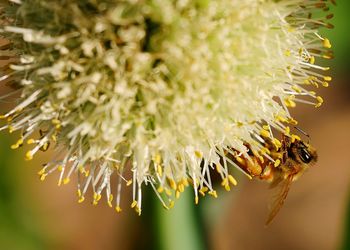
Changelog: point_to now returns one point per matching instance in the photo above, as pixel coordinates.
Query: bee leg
(284, 148)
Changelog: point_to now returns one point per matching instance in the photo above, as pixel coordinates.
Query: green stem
(180, 227)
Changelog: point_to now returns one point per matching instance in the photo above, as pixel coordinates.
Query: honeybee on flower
(157, 89)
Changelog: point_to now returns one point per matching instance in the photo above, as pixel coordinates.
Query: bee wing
(278, 179)
(280, 198)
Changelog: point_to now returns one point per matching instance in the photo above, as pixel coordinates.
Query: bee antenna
(303, 132)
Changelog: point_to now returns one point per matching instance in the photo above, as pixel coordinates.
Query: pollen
(277, 163)
(327, 43)
(265, 133)
(29, 156)
(232, 180)
(118, 209)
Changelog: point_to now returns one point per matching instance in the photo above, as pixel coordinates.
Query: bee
(280, 167)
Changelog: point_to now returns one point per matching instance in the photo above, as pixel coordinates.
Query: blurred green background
(36, 215)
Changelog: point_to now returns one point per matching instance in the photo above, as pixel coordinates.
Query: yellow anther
(30, 141)
(287, 53)
(168, 192)
(45, 146)
(315, 84)
(157, 159)
(239, 159)
(177, 194)
(181, 187)
(203, 190)
(54, 138)
(218, 168)
(292, 121)
(81, 169)
(42, 171)
(14, 146)
(118, 209)
(110, 199)
(325, 68)
(160, 170)
(232, 180)
(58, 126)
(326, 43)
(79, 193)
(265, 133)
(138, 210)
(289, 102)
(171, 204)
(307, 82)
(129, 182)
(66, 180)
(160, 189)
(42, 177)
(97, 197)
(133, 204)
(296, 88)
(277, 143)
(29, 156)
(20, 142)
(2, 116)
(281, 118)
(312, 60)
(227, 187)
(11, 129)
(196, 200)
(81, 199)
(277, 163)
(55, 121)
(327, 78)
(87, 173)
(287, 130)
(172, 183)
(261, 158)
(185, 182)
(60, 168)
(266, 127)
(295, 137)
(325, 84)
(239, 124)
(198, 154)
(320, 101)
(213, 193)
(264, 150)
(224, 182)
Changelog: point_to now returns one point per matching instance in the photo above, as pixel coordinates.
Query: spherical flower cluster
(157, 93)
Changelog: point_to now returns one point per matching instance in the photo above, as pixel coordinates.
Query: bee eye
(305, 155)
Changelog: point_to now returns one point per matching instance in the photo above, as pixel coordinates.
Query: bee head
(306, 153)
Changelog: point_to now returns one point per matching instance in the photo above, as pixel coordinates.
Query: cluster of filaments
(134, 94)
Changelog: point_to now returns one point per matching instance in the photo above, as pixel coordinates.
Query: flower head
(164, 90)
